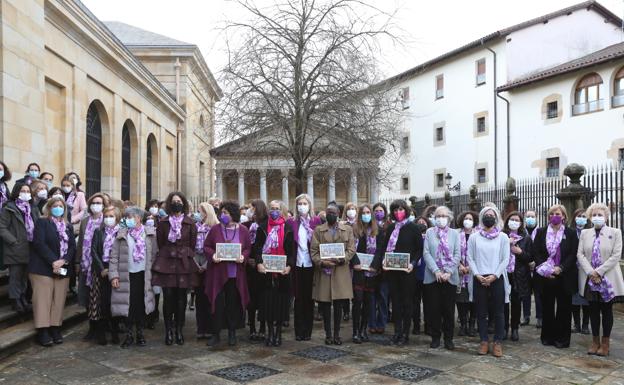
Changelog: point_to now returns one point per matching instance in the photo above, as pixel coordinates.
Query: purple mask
(225, 219)
(379, 215)
(556, 220)
(275, 214)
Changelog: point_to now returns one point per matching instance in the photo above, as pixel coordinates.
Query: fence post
(575, 195)
(510, 202)
(412, 201)
(448, 200)
(474, 203)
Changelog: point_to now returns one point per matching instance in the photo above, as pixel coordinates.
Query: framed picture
(365, 260)
(332, 250)
(274, 263)
(396, 261)
(228, 251)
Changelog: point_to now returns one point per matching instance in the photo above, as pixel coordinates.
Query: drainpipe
(179, 129)
(495, 119)
(508, 137)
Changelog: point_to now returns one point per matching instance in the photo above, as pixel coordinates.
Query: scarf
(371, 247)
(274, 243)
(24, 207)
(92, 224)
(444, 259)
(138, 253)
(71, 198)
(604, 288)
(61, 229)
(110, 233)
(489, 234)
(202, 233)
(253, 230)
(3, 194)
(175, 230)
(395, 235)
(463, 247)
(305, 222)
(513, 235)
(553, 241)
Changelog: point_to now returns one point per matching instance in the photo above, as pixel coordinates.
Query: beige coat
(337, 285)
(610, 253)
(118, 268)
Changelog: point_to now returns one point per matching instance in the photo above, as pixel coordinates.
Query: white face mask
(42, 194)
(243, 218)
(468, 223)
(442, 222)
(303, 209)
(513, 225)
(110, 221)
(97, 208)
(24, 197)
(249, 213)
(598, 221)
(351, 213)
(153, 210)
(411, 218)
(66, 189)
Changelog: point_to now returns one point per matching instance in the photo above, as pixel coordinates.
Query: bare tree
(306, 74)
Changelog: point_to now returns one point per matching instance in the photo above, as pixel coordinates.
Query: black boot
(128, 341)
(55, 333)
(100, 333)
(91, 332)
(43, 337)
(506, 334)
(214, 339)
(179, 319)
(363, 333)
(114, 327)
(168, 334)
(472, 331)
(192, 301)
(268, 341)
(179, 337)
(585, 327)
(140, 338)
(463, 329)
(514, 335)
(277, 338)
(232, 337)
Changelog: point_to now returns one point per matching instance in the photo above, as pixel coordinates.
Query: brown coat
(337, 285)
(118, 268)
(174, 265)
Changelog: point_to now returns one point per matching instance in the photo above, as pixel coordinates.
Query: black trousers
(515, 303)
(227, 307)
(596, 309)
(304, 305)
(361, 309)
(136, 312)
(325, 308)
(486, 299)
(418, 298)
(255, 284)
(441, 312)
(202, 311)
(556, 324)
(174, 306)
(402, 293)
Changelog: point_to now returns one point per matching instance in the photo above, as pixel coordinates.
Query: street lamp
(449, 179)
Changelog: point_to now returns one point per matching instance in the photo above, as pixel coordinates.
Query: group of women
(125, 258)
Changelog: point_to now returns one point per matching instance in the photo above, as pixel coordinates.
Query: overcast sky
(429, 28)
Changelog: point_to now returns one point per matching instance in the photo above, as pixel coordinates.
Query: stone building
(128, 110)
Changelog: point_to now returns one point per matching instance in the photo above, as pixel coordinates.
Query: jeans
(379, 307)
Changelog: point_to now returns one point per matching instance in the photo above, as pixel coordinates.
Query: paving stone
(244, 372)
(321, 353)
(437, 360)
(487, 371)
(406, 372)
(600, 365)
(611, 381)
(564, 374)
(65, 369)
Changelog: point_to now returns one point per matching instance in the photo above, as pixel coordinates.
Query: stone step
(16, 337)
(9, 317)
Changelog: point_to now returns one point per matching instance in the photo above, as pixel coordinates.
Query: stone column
(353, 193)
(448, 200)
(219, 183)
(263, 184)
(510, 202)
(331, 186)
(575, 195)
(285, 186)
(474, 203)
(310, 191)
(241, 187)
(374, 190)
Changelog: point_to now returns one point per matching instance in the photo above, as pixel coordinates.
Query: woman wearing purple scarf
(258, 223)
(17, 226)
(600, 276)
(441, 253)
(467, 222)
(5, 176)
(554, 251)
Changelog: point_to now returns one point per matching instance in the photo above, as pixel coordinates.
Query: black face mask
(323, 220)
(422, 228)
(489, 221)
(331, 219)
(177, 207)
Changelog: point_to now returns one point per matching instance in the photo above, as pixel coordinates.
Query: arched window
(618, 89)
(587, 95)
(151, 168)
(125, 162)
(94, 151)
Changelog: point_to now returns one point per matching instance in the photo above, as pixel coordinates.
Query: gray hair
(134, 211)
(499, 220)
(444, 211)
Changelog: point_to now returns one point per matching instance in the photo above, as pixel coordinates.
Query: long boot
(140, 338)
(232, 337)
(91, 332)
(214, 339)
(472, 331)
(603, 351)
(129, 340)
(585, 324)
(180, 317)
(114, 328)
(277, 339)
(576, 316)
(463, 328)
(100, 332)
(268, 341)
(593, 349)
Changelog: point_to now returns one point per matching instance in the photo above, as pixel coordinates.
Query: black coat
(290, 248)
(13, 233)
(521, 277)
(97, 250)
(569, 245)
(409, 241)
(47, 248)
(358, 276)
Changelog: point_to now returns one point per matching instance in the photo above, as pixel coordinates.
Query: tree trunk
(300, 181)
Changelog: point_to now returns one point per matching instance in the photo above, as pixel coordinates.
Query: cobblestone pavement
(526, 362)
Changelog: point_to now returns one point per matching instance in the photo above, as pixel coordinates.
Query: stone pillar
(474, 203)
(353, 193)
(310, 190)
(241, 187)
(448, 200)
(575, 195)
(374, 189)
(263, 184)
(331, 186)
(510, 202)
(285, 186)
(219, 184)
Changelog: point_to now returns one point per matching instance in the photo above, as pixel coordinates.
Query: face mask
(177, 207)
(351, 213)
(531, 222)
(489, 221)
(153, 210)
(432, 221)
(303, 209)
(366, 218)
(249, 213)
(162, 213)
(74, 180)
(468, 223)
(598, 221)
(379, 215)
(275, 214)
(1, 174)
(421, 228)
(197, 217)
(149, 222)
(225, 219)
(555, 220)
(24, 197)
(66, 189)
(331, 218)
(59, 196)
(513, 225)
(33, 174)
(243, 218)
(42, 194)
(580, 221)
(109, 221)
(57, 211)
(441, 222)
(399, 215)
(411, 218)
(97, 208)
(130, 223)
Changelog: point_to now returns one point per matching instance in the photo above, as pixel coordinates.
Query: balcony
(617, 100)
(586, 108)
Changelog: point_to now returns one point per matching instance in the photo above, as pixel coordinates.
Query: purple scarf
(395, 235)
(175, 230)
(71, 198)
(202, 233)
(253, 230)
(3, 194)
(513, 235)
(553, 241)
(371, 247)
(110, 234)
(444, 260)
(24, 207)
(463, 246)
(272, 240)
(605, 288)
(138, 254)
(92, 224)
(489, 234)
(305, 222)
(61, 229)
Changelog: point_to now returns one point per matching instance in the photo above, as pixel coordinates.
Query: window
(621, 158)
(439, 134)
(552, 110)
(405, 183)
(439, 180)
(587, 95)
(405, 144)
(405, 97)
(125, 162)
(481, 124)
(439, 87)
(552, 167)
(481, 175)
(94, 151)
(618, 89)
(480, 64)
